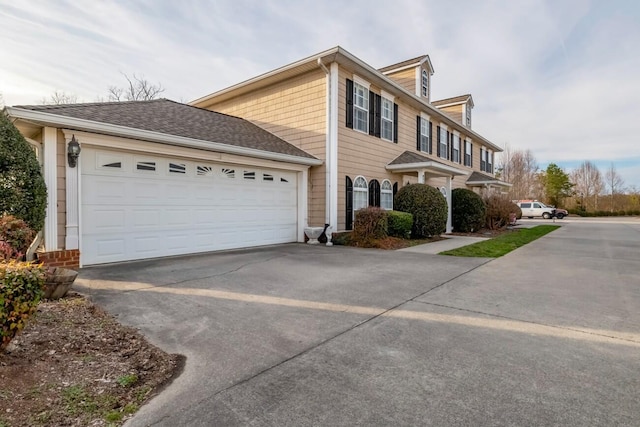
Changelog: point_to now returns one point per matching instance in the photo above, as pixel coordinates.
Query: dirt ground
(75, 365)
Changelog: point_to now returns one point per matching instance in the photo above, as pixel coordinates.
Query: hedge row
(604, 213)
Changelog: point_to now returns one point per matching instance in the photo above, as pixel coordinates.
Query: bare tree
(60, 97)
(614, 182)
(137, 89)
(520, 169)
(588, 184)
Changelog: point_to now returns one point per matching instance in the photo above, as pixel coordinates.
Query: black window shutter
(438, 137)
(349, 104)
(430, 138)
(471, 156)
(395, 188)
(372, 113)
(348, 219)
(374, 193)
(378, 116)
(395, 123)
(448, 145)
(464, 150)
(418, 132)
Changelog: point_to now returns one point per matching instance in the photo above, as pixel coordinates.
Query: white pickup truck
(534, 208)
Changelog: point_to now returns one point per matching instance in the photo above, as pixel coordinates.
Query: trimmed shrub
(341, 238)
(23, 193)
(15, 237)
(370, 224)
(428, 207)
(400, 224)
(498, 210)
(21, 288)
(469, 211)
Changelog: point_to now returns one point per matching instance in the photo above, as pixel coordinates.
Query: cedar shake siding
(294, 110)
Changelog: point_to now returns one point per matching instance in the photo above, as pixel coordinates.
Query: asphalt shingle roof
(454, 100)
(409, 157)
(480, 177)
(402, 64)
(173, 118)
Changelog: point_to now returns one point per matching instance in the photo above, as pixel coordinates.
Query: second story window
(424, 136)
(483, 159)
(467, 153)
(468, 114)
(387, 119)
(425, 84)
(360, 108)
(489, 161)
(455, 152)
(443, 151)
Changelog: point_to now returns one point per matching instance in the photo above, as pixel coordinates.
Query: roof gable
(456, 100)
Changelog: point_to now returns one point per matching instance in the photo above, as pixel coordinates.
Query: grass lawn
(502, 244)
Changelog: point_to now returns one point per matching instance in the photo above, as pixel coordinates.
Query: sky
(560, 78)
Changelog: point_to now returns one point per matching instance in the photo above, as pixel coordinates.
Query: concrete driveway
(300, 335)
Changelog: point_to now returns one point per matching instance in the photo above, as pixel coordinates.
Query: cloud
(558, 78)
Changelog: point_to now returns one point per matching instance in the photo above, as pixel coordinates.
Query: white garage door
(137, 206)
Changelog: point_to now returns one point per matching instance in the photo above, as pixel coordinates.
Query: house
(309, 143)
(375, 129)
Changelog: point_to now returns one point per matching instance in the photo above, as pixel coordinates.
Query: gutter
(145, 135)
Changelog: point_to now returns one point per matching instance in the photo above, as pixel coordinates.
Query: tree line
(584, 190)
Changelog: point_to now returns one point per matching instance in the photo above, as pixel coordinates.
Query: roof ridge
(88, 104)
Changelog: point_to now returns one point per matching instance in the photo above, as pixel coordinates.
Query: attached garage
(137, 206)
(159, 178)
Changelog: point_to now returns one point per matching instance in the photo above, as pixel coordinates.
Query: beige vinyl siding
(453, 111)
(61, 166)
(294, 110)
(405, 78)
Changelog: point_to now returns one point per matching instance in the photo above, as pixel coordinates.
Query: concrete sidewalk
(450, 242)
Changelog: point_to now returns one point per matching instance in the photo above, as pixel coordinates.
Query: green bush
(21, 288)
(341, 238)
(370, 224)
(23, 193)
(469, 211)
(498, 210)
(400, 224)
(17, 236)
(428, 207)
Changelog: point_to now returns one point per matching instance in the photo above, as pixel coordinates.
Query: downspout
(328, 155)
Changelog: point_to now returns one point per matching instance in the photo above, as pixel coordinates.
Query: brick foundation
(68, 259)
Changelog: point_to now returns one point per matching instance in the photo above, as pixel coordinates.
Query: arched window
(425, 83)
(360, 193)
(386, 195)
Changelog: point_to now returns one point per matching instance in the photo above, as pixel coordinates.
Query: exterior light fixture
(73, 152)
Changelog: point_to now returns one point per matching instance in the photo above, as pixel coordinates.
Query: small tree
(428, 207)
(556, 184)
(23, 193)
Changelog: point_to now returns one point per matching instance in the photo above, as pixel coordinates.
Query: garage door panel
(134, 214)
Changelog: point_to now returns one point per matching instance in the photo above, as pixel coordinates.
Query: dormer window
(468, 115)
(425, 83)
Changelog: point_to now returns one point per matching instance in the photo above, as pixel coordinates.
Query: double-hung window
(360, 107)
(444, 142)
(424, 135)
(455, 153)
(467, 153)
(483, 159)
(489, 161)
(425, 84)
(360, 194)
(387, 119)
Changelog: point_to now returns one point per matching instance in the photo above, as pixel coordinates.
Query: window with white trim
(467, 153)
(425, 83)
(444, 143)
(360, 194)
(490, 161)
(483, 159)
(424, 135)
(468, 114)
(456, 149)
(386, 131)
(386, 195)
(360, 108)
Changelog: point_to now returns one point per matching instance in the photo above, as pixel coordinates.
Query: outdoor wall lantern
(73, 152)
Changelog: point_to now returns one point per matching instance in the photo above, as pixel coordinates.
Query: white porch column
(449, 228)
(303, 203)
(421, 179)
(72, 240)
(49, 141)
(332, 154)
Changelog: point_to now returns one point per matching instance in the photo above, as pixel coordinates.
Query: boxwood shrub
(370, 224)
(428, 207)
(469, 211)
(400, 224)
(21, 288)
